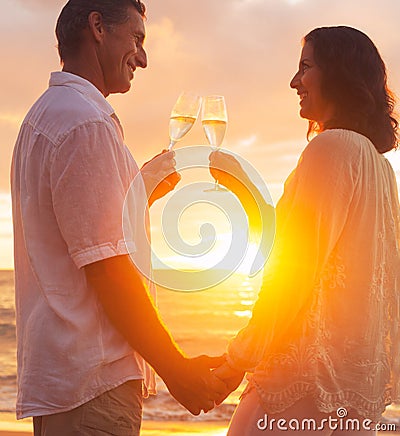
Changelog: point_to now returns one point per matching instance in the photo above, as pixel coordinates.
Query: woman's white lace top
(326, 322)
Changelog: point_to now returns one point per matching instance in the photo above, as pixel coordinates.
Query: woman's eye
(305, 67)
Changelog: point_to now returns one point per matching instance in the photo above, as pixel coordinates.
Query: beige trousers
(116, 412)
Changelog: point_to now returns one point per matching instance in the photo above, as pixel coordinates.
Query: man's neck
(86, 70)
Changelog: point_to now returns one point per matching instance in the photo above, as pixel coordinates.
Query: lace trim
(277, 402)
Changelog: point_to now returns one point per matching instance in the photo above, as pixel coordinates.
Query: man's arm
(128, 305)
(159, 175)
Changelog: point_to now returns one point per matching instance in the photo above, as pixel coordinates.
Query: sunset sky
(246, 50)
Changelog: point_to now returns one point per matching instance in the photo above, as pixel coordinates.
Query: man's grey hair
(73, 20)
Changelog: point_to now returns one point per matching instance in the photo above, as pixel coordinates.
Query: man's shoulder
(62, 109)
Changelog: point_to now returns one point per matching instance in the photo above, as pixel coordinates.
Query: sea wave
(7, 335)
(8, 393)
(9, 380)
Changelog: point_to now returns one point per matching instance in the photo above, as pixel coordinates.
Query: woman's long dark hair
(354, 80)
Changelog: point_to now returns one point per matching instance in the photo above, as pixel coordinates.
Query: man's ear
(96, 25)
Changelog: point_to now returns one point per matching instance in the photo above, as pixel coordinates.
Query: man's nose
(141, 58)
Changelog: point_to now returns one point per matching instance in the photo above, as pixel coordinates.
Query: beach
(226, 307)
(155, 429)
(11, 427)
(149, 428)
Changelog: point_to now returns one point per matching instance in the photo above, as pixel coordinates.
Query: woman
(323, 340)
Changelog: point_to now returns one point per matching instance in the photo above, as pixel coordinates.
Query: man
(85, 320)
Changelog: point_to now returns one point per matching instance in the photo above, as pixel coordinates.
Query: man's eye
(305, 67)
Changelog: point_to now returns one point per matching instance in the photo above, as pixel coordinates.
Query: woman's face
(307, 82)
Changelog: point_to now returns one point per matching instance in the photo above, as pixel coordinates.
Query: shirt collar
(86, 88)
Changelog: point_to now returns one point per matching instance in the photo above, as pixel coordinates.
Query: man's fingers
(216, 385)
(209, 406)
(207, 388)
(219, 400)
(164, 160)
(168, 165)
(195, 406)
(169, 179)
(193, 409)
(225, 371)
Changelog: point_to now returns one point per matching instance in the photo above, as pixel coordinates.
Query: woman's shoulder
(335, 150)
(339, 143)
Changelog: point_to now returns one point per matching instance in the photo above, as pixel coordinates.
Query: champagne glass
(183, 116)
(214, 119)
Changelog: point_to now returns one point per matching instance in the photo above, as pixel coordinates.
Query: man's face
(122, 52)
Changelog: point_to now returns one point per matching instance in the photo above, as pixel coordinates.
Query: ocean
(201, 323)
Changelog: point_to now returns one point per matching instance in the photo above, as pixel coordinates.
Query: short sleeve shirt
(71, 174)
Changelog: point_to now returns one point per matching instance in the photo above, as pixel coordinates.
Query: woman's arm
(310, 218)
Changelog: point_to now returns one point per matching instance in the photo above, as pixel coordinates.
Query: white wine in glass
(215, 131)
(214, 119)
(183, 116)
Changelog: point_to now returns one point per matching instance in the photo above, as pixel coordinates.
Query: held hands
(193, 385)
(159, 175)
(197, 388)
(231, 377)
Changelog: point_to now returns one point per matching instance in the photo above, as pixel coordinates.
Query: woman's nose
(295, 81)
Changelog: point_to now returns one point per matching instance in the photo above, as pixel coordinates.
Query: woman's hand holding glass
(214, 119)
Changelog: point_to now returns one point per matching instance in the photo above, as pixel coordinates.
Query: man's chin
(126, 89)
(122, 89)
